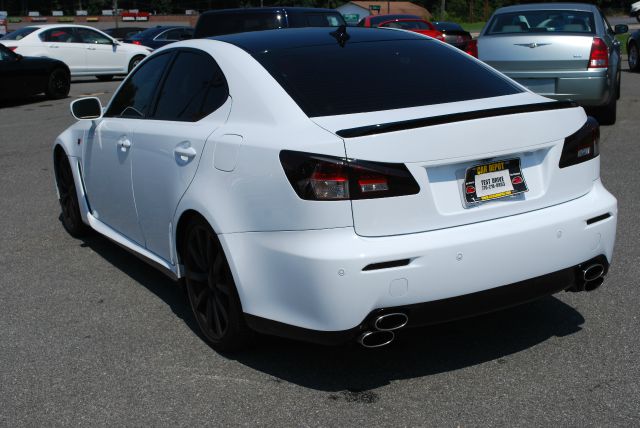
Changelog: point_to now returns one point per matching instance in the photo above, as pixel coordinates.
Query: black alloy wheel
(58, 84)
(634, 61)
(70, 216)
(211, 289)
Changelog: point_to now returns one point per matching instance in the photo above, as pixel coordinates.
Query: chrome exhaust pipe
(392, 321)
(376, 339)
(593, 272)
(592, 285)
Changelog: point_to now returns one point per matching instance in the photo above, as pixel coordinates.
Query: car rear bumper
(331, 280)
(590, 88)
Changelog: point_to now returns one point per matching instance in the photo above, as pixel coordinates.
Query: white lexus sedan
(86, 50)
(332, 186)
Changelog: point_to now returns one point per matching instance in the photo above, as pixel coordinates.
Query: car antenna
(341, 35)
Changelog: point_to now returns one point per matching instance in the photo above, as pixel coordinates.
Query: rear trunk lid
(535, 52)
(439, 154)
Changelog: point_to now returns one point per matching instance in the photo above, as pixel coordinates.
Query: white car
(333, 186)
(85, 50)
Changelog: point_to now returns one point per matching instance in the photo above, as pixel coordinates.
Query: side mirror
(621, 29)
(87, 108)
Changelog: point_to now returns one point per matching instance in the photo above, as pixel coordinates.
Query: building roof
(395, 7)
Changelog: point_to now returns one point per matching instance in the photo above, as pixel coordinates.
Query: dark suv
(229, 21)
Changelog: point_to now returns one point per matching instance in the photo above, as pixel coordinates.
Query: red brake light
(13, 48)
(599, 57)
(329, 178)
(136, 42)
(472, 48)
(581, 146)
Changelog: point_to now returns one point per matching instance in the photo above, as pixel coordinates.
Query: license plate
(493, 180)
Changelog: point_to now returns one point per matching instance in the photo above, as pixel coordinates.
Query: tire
(135, 61)
(211, 289)
(70, 215)
(58, 84)
(105, 77)
(606, 115)
(634, 58)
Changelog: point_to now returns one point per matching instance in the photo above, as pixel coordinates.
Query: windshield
(542, 21)
(362, 77)
(19, 34)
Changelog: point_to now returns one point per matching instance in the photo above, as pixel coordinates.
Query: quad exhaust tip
(390, 322)
(590, 277)
(384, 326)
(376, 339)
(593, 272)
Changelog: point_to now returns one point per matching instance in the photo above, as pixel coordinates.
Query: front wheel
(58, 84)
(211, 289)
(633, 57)
(70, 216)
(135, 61)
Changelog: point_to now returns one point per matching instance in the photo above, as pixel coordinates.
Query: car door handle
(124, 144)
(185, 152)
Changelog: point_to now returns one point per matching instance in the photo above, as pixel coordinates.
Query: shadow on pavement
(352, 371)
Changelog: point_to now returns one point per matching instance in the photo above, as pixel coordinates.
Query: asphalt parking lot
(90, 335)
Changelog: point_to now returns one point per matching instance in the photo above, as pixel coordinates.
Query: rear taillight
(136, 42)
(472, 48)
(599, 56)
(581, 146)
(328, 178)
(13, 48)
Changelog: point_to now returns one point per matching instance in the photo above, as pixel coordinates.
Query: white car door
(63, 44)
(107, 160)
(193, 102)
(102, 54)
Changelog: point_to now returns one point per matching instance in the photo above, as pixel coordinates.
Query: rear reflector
(599, 57)
(328, 178)
(581, 146)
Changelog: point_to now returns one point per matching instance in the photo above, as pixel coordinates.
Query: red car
(416, 25)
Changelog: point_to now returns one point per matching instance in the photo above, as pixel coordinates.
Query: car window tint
(5, 54)
(383, 75)
(59, 35)
(19, 34)
(136, 94)
(219, 24)
(542, 21)
(90, 36)
(194, 88)
(173, 34)
(315, 20)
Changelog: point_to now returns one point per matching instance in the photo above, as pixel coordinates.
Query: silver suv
(565, 51)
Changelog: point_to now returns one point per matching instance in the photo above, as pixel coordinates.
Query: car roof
(547, 6)
(261, 41)
(44, 26)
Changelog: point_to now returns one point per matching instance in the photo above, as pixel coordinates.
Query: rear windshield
(383, 75)
(315, 19)
(542, 21)
(215, 24)
(407, 25)
(19, 34)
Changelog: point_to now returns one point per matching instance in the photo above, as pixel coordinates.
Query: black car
(157, 37)
(122, 33)
(230, 21)
(21, 77)
(633, 49)
(454, 34)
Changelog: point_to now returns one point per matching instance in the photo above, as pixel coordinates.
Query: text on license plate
(494, 180)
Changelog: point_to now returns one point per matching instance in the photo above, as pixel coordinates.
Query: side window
(90, 36)
(194, 88)
(136, 94)
(59, 35)
(170, 34)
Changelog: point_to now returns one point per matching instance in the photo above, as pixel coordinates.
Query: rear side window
(19, 34)
(542, 21)
(136, 94)
(170, 34)
(194, 88)
(59, 35)
(383, 75)
(217, 24)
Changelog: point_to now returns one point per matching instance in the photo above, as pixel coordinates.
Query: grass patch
(622, 38)
(473, 27)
